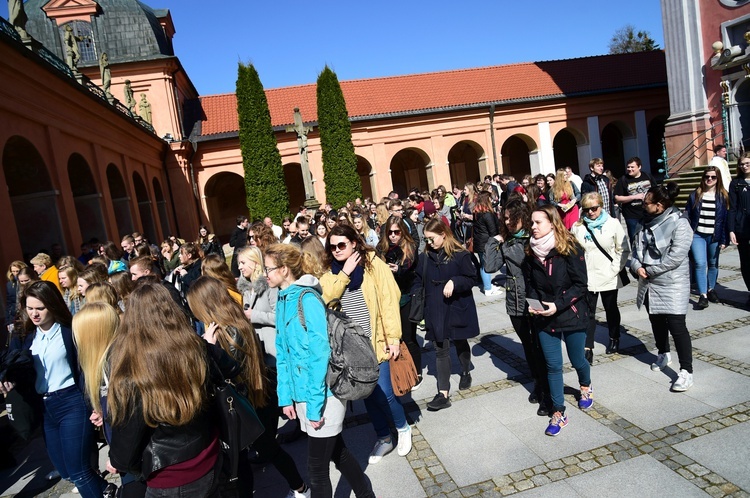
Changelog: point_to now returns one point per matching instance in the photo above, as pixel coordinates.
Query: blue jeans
(69, 436)
(383, 405)
(705, 253)
(632, 225)
(486, 277)
(551, 343)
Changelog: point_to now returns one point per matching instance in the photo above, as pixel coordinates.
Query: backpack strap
(301, 311)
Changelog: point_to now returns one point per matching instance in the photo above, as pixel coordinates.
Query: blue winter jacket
(721, 227)
(302, 355)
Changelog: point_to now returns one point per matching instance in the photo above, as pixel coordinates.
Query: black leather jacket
(141, 450)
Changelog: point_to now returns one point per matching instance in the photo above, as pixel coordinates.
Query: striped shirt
(707, 215)
(353, 304)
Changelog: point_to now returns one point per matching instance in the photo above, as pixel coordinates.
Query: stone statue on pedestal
(129, 98)
(17, 17)
(106, 75)
(144, 109)
(301, 130)
(72, 53)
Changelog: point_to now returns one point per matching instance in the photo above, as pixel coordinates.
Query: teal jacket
(302, 355)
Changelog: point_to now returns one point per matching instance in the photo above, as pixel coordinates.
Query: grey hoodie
(262, 300)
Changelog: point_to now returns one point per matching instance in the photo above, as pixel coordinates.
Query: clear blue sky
(290, 41)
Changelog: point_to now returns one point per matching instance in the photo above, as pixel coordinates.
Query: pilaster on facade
(546, 154)
(641, 137)
(595, 138)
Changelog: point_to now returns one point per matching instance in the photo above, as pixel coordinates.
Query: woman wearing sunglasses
(399, 252)
(708, 209)
(369, 295)
(599, 233)
(739, 221)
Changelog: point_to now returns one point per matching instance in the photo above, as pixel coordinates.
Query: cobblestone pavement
(638, 439)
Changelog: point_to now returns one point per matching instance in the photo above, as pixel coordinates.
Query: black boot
(614, 346)
(545, 403)
(589, 355)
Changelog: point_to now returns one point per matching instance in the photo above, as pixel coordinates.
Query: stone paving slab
(726, 452)
(734, 344)
(642, 476)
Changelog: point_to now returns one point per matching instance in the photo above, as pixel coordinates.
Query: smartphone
(535, 304)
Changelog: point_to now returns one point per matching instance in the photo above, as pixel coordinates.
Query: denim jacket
(302, 352)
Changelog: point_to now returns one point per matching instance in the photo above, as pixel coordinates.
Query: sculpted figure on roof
(106, 74)
(72, 53)
(144, 109)
(17, 17)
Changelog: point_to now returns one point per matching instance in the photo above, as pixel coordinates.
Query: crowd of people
(129, 337)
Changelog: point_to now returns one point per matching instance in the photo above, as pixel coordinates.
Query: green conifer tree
(264, 175)
(339, 162)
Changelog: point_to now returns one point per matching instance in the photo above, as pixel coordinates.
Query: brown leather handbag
(403, 371)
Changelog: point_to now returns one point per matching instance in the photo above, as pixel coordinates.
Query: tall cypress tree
(339, 162)
(264, 176)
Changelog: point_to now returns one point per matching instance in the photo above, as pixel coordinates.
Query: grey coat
(262, 300)
(662, 247)
(512, 254)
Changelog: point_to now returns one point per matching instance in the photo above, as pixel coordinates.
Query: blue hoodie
(302, 355)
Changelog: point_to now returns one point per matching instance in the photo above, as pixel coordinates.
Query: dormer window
(85, 38)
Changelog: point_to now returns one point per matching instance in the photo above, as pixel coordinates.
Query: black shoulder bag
(623, 275)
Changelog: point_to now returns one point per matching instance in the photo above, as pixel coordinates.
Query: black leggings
(322, 451)
(662, 325)
(409, 336)
(609, 301)
(443, 360)
(268, 449)
(532, 350)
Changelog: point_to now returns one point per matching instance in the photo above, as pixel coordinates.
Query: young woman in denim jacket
(302, 354)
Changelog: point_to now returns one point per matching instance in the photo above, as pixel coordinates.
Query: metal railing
(673, 165)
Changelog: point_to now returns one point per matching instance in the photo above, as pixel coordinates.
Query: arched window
(85, 37)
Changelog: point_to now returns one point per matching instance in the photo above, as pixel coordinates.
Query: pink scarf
(543, 245)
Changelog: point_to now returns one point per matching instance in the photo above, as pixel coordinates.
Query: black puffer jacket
(512, 254)
(561, 280)
(485, 226)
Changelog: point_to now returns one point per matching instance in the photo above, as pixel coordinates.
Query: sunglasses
(251, 237)
(590, 209)
(340, 246)
(394, 232)
(709, 177)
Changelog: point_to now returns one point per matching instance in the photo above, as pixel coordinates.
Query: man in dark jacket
(238, 240)
(597, 181)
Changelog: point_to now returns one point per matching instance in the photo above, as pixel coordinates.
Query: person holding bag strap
(606, 249)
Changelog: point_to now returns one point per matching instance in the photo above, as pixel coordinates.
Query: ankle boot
(614, 346)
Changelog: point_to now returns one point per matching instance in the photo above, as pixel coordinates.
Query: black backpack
(353, 366)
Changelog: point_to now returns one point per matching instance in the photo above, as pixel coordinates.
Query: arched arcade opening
(87, 199)
(144, 207)
(409, 170)
(467, 162)
(32, 196)
(120, 201)
(516, 156)
(565, 150)
(364, 170)
(225, 200)
(613, 147)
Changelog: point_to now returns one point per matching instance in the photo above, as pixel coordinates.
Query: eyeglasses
(709, 177)
(269, 269)
(340, 246)
(394, 232)
(590, 209)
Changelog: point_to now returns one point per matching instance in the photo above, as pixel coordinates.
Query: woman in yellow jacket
(369, 295)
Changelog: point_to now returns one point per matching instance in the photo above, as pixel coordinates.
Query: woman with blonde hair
(94, 273)
(258, 299)
(69, 282)
(565, 196)
(303, 353)
(447, 272)
(227, 327)
(104, 292)
(158, 401)
(557, 279)
(315, 256)
(46, 269)
(261, 236)
(606, 249)
(216, 267)
(11, 291)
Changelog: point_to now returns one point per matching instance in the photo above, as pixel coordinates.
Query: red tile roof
(422, 92)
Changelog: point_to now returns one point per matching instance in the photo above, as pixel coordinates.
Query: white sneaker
(404, 441)
(661, 362)
(293, 493)
(420, 380)
(381, 449)
(683, 382)
(495, 291)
